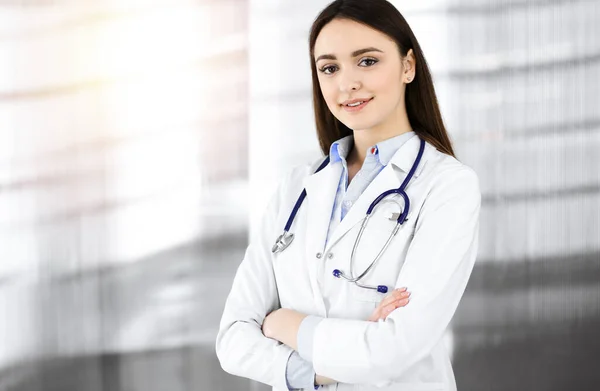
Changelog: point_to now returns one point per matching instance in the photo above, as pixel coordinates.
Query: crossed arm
(383, 351)
(283, 324)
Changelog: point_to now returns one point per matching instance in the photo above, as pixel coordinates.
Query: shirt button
(319, 255)
(348, 203)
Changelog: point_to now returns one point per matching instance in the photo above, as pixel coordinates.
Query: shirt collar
(340, 148)
(385, 149)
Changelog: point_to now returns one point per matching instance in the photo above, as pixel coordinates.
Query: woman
(302, 311)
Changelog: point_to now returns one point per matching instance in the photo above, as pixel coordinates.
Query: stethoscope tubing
(284, 240)
(379, 255)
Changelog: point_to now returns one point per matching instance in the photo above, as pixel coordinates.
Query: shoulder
(292, 182)
(300, 172)
(451, 175)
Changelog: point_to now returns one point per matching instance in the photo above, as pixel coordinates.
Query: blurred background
(139, 141)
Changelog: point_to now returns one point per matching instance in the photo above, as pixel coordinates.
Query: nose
(349, 81)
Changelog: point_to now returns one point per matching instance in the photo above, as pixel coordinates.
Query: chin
(360, 125)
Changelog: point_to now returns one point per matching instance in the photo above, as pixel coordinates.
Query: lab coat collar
(405, 156)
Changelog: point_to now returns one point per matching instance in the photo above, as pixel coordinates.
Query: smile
(356, 106)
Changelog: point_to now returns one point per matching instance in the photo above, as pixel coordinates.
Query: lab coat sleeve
(437, 267)
(241, 347)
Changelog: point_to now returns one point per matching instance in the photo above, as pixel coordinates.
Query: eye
(373, 61)
(329, 69)
(325, 68)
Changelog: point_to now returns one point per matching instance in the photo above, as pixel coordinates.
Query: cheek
(330, 95)
(388, 93)
(385, 84)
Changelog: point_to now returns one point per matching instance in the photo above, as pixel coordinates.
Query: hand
(398, 298)
(322, 380)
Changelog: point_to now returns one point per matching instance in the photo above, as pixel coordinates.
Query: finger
(396, 292)
(395, 295)
(402, 302)
(395, 299)
(396, 304)
(392, 299)
(388, 300)
(402, 296)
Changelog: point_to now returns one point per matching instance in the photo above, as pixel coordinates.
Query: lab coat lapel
(321, 189)
(391, 177)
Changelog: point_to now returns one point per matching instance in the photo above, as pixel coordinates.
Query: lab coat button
(319, 255)
(330, 255)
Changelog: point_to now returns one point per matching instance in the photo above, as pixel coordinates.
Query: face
(355, 61)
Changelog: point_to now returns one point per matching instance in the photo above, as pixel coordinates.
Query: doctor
(362, 257)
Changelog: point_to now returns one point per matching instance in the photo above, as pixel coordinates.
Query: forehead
(342, 36)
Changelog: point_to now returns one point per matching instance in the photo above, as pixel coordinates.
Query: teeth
(355, 104)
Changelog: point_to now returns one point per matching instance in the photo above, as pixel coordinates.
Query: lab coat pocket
(366, 295)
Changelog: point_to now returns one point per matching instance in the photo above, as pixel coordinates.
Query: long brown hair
(421, 102)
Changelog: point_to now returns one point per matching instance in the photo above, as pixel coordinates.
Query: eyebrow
(354, 54)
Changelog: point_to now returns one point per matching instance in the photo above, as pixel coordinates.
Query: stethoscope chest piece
(282, 242)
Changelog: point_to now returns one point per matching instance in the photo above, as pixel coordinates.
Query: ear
(409, 64)
(409, 61)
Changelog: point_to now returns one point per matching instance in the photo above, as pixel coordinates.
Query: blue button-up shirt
(299, 371)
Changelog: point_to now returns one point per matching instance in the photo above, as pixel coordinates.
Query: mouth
(356, 106)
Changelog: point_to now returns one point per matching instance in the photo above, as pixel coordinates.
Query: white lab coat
(432, 254)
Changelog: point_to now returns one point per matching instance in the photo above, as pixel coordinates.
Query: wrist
(322, 380)
(317, 385)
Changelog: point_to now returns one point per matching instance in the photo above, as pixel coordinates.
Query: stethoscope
(286, 238)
